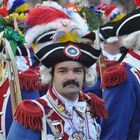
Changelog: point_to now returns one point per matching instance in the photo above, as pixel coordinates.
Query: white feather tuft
(35, 31)
(38, 30)
(10, 4)
(50, 4)
(80, 22)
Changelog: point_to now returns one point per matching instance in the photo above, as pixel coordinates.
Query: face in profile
(68, 78)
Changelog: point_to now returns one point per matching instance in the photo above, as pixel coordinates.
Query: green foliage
(94, 20)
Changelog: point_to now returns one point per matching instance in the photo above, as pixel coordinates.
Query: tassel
(97, 106)
(105, 64)
(29, 115)
(30, 80)
(114, 76)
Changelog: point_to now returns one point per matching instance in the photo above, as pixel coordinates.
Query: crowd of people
(69, 73)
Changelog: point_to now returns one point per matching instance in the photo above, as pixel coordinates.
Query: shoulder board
(114, 75)
(29, 115)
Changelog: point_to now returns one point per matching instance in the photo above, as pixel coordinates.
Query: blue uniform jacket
(123, 104)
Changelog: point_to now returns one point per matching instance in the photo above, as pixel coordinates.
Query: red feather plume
(45, 15)
(109, 10)
(137, 2)
(3, 11)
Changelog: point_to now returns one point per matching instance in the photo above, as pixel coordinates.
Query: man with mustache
(66, 54)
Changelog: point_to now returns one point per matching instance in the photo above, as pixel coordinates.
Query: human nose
(71, 75)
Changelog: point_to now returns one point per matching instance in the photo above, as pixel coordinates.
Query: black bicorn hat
(106, 30)
(54, 53)
(60, 38)
(128, 24)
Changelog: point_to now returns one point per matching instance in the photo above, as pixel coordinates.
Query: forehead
(68, 65)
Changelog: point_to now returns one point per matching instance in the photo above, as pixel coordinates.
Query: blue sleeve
(96, 89)
(120, 102)
(19, 132)
(135, 123)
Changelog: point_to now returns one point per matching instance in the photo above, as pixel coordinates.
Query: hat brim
(20, 50)
(54, 53)
(130, 23)
(106, 30)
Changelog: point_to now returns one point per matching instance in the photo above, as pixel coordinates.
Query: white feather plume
(80, 22)
(50, 4)
(10, 4)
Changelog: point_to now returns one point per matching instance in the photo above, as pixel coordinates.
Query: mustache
(71, 82)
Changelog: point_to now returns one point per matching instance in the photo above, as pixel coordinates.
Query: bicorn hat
(105, 33)
(55, 35)
(129, 24)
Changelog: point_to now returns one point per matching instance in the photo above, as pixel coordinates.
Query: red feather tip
(109, 10)
(5, 2)
(3, 11)
(44, 15)
(137, 2)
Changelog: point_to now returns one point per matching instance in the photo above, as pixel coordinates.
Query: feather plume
(64, 36)
(13, 4)
(3, 11)
(22, 8)
(44, 18)
(79, 21)
(50, 4)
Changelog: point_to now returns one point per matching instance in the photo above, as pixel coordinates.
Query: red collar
(53, 95)
(137, 56)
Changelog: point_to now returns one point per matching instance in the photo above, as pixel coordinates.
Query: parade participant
(65, 112)
(110, 55)
(121, 88)
(12, 26)
(124, 27)
(121, 85)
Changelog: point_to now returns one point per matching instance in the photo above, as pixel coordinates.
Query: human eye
(62, 71)
(78, 70)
